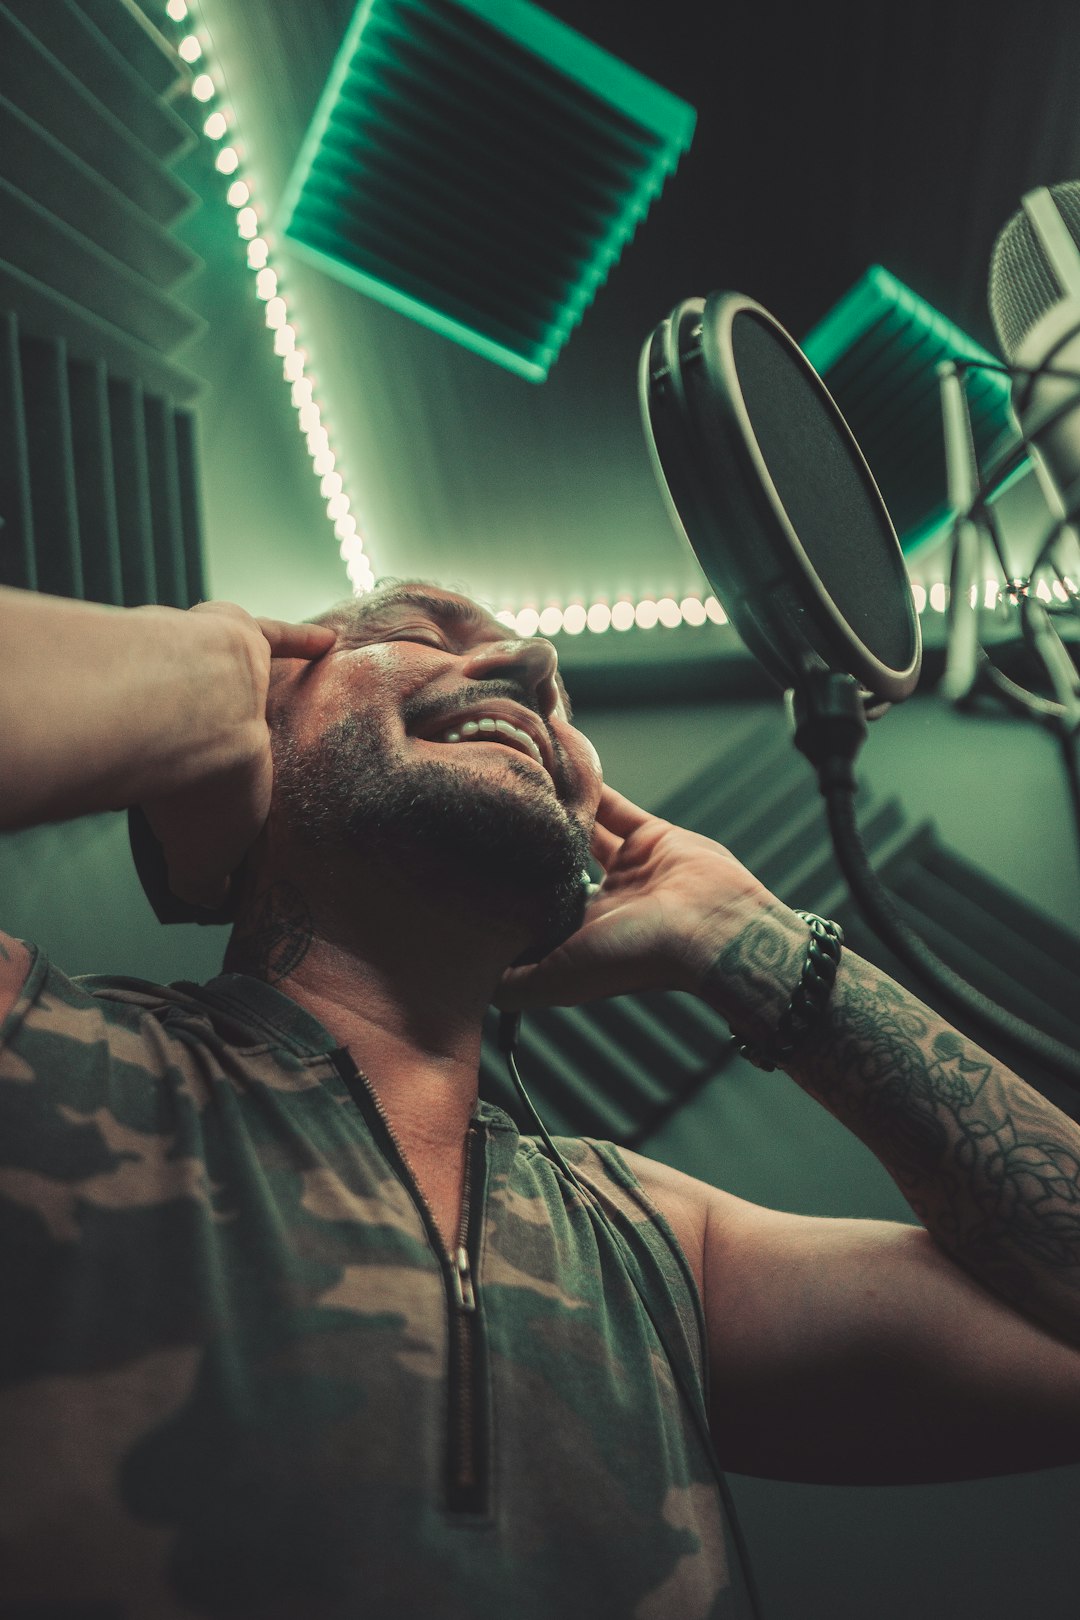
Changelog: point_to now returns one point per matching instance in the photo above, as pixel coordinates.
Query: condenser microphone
(767, 482)
(1034, 297)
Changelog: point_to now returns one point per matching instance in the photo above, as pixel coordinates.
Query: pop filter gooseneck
(765, 479)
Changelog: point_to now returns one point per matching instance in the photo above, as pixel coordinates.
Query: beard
(510, 853)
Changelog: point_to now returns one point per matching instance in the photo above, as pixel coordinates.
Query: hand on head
(669, 901)
(207, 827)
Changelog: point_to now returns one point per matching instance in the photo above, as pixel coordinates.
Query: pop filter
(767, 481)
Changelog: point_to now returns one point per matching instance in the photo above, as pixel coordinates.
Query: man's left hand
(669, 902)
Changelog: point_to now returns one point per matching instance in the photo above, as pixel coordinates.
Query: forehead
(458, 612)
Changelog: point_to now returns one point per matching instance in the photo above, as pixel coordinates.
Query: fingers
(286, 640)
(619, 815)
(604, 845)
(296, 640)
(523, 990)
(616, 818)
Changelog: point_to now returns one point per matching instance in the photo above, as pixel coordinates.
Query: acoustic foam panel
(479, 166)
(878, 350)
(98, 488)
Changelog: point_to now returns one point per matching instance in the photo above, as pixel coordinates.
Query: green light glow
(878, 350)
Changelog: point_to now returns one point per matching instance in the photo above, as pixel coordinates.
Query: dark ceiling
(830, 136)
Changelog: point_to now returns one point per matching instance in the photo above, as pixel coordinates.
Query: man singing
(295, 1327)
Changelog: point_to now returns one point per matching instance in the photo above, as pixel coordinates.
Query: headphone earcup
(536, 953)
(153, 872)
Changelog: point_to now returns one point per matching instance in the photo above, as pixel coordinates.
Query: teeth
(488, 728)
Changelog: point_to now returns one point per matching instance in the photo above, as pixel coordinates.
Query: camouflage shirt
(242, 1376)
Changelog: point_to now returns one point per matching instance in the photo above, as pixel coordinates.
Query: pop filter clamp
(767, 483)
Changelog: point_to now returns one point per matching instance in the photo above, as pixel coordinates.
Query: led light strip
(572, 619)
(219, 121)
(695, 610)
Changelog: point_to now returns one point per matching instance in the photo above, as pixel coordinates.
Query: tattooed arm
(988, 1165)
(860, 1351)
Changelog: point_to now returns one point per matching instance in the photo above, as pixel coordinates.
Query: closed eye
(425, 638)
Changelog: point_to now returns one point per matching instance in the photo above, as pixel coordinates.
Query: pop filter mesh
(836, 514)
(1022, 285)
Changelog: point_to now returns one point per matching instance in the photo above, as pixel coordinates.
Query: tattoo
(989, 1166)
(274, 936)
(758, 970)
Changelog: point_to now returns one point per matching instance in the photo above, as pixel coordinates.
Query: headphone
(153, 872)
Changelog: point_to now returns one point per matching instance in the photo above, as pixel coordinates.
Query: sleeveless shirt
(241, 1377)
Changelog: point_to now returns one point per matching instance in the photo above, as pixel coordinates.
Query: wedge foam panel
(479, 166)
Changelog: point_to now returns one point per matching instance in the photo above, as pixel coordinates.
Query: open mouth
(489, 730)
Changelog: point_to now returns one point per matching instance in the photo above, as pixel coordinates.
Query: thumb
(550, 982)
(512, 994)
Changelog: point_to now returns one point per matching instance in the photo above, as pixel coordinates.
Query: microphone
(1034, 299)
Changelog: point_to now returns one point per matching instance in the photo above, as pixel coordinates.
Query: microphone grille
(1022, 284)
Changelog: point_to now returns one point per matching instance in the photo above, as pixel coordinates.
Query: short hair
(352, 611)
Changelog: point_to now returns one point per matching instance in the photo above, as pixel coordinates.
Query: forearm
(989, 1166)
(105, 707)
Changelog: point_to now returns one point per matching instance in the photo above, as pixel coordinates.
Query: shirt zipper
(466, 1473)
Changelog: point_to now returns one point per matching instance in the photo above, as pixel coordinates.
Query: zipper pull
(463, 1287)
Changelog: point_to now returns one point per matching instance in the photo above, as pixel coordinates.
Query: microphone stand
(962, 654)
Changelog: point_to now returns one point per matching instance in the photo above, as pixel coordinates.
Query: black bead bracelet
(809, 999)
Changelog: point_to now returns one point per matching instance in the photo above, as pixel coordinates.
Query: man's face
(387, 749)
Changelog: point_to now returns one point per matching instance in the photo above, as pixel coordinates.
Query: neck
(402, 979)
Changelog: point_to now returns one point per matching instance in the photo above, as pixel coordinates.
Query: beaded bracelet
(810, 997)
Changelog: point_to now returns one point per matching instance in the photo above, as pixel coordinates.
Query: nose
(531, 659)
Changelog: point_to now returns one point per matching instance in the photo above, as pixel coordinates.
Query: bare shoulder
(14, 966)
(682, 1200)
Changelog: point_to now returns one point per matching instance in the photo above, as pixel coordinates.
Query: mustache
(423, 711)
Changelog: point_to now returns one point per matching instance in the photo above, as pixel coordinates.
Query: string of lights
(220, 128)
(668, 614)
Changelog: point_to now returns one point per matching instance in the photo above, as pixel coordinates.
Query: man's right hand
(207, 826)
(102, 708)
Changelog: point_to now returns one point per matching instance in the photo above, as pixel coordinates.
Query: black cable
(509, 1024)
(829, 728)
(1067, 740)
(877, 906)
